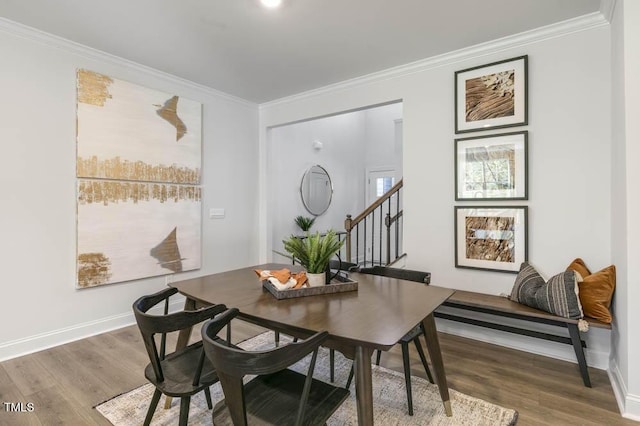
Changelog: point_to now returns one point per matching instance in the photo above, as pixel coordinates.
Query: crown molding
(606, 9)
(560, 29)
(32, 34)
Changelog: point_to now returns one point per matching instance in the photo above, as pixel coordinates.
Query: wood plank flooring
(65, 383)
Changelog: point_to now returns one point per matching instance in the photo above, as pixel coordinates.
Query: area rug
(389, 399)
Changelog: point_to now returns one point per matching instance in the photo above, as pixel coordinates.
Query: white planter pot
(316, 279)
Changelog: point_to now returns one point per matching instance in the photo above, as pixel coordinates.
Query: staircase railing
(385, 212)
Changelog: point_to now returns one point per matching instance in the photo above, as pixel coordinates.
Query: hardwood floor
(65, 383)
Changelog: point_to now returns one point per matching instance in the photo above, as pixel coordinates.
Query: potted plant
(304, 223)
(313, 252)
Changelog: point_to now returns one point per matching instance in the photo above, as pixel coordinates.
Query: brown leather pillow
(596, 290)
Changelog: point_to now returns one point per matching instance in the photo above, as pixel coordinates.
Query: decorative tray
(338, 284)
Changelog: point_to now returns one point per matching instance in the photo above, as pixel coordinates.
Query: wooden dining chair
(184, 372)
(276, 392)
(412, 336)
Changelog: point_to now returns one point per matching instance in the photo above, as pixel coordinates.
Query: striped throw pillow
(558, 295)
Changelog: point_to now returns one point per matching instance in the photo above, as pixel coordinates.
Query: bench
(502, 306)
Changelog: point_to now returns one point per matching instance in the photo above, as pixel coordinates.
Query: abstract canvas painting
(130, 132)
(138, 168)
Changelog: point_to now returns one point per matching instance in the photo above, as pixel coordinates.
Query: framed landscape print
(492, 167)
(491, 96)
(491, 238)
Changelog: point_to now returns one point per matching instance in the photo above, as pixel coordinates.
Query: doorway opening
(349, 147)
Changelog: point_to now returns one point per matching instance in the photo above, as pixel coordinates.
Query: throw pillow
(596, 292)
(528, 281)
(579, 266)
(558, 296)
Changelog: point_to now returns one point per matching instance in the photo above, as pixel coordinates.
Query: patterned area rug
(389, 399)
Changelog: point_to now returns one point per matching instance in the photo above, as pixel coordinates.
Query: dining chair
(183, 372)
(276, 392)
(412, 336)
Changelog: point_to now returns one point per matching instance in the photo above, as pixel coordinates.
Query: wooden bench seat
(502, 306)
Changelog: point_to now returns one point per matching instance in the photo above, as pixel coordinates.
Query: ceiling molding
(606, 9)
(32, 34)
(560, 29)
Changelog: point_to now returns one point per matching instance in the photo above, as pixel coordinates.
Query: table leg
(433, 346)
(364, 392)
(185, 333)
(183, 339)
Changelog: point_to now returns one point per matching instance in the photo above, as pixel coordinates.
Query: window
(384, 184)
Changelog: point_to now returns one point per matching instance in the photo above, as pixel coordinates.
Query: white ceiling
(237, 47)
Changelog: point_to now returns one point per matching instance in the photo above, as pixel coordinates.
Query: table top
(377, 315)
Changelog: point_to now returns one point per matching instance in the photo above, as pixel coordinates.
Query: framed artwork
(491, 96)
(138, 174)
(492, 167)
(491, 238)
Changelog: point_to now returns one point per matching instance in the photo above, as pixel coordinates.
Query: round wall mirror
(316, 190)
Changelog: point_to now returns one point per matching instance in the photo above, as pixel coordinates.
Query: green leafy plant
(305, 223)
(314, 251)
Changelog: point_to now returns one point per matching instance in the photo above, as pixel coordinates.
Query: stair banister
(351, 223)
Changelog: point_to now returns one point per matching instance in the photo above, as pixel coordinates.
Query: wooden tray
(338, 285)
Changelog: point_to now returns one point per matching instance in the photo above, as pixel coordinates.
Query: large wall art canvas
(138, 168)
(129, 132)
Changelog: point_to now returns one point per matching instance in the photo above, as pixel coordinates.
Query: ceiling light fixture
(271, 4)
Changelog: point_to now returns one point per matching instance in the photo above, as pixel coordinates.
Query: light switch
(216, 213)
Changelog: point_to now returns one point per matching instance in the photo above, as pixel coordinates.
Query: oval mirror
(316, 190)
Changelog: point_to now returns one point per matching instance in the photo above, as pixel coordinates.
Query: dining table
(375, 316)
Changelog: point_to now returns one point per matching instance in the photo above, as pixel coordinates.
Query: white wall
(352, 143)
(569, 157)
(625, 372)
(40, 306)
(292, 153)
(380, 138)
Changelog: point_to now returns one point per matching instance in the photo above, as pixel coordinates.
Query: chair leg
(277, 333)
(207, 395)
(350, 378)
(152, 407)
(407, 375)
(423, 358)
(332, 363)
(378, 355)
(184, 410)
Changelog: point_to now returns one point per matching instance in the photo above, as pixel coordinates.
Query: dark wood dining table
(375, 316)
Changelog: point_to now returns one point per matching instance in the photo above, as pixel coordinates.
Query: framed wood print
(492, 167)
(491, 238)
(491, 96)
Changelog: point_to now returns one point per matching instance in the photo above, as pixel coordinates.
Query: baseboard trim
(595, 359)
(42, 341)
(628, 404)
